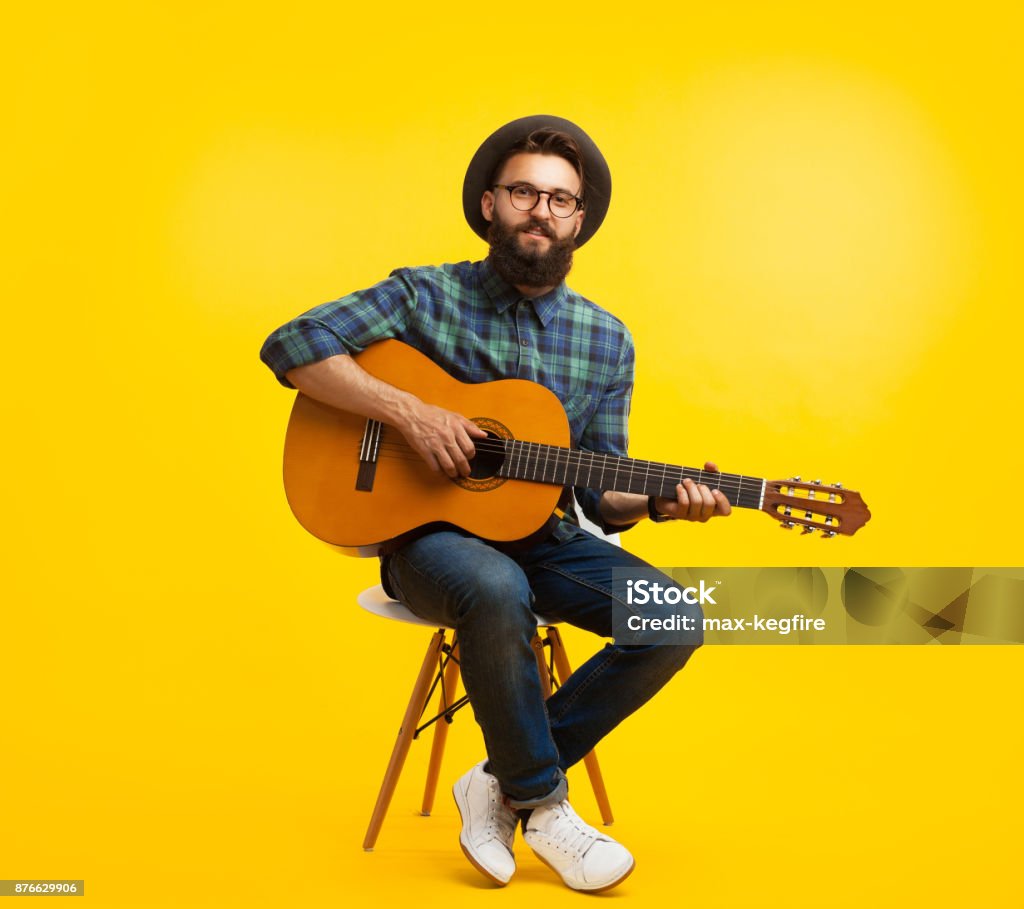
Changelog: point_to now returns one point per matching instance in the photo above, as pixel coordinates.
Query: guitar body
(407, 498)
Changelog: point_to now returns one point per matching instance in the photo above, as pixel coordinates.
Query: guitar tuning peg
(795, 479)
(786, 525)
(827, 534)
(838, 485)
(817, 482)
(807, 530)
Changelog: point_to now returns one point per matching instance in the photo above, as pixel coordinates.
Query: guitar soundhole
(488, 458)
(490, 455)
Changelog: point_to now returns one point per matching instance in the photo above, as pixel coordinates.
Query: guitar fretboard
(568, 467)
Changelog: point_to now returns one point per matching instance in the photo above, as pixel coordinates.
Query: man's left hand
(695, 501)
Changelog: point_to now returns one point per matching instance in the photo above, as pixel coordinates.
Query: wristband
(654, 514)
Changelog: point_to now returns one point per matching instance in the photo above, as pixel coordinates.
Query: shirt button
(525, 342)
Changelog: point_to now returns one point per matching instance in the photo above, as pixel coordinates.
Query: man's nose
(542, 209)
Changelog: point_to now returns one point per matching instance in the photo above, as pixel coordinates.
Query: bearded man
(537, 189)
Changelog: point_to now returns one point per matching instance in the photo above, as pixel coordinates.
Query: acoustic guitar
(357, 484)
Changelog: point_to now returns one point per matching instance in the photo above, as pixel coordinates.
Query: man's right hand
(443, 439)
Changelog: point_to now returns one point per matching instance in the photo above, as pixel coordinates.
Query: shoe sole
(465, 849)
(600, 889)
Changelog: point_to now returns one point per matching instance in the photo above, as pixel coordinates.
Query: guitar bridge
(369, 451)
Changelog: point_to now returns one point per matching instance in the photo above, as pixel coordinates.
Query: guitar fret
(555, 465)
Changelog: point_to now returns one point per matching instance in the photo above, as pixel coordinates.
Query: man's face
(532, 248)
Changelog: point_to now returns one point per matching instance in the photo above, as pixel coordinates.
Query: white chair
(440, 670)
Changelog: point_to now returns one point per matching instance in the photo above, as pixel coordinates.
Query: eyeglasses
(525, 198)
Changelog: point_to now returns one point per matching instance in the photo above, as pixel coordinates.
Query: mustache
(537, 225)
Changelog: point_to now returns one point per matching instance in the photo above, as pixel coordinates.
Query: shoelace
(501, 822)
(576, 836)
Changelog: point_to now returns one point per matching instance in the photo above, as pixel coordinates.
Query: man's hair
(546, 141)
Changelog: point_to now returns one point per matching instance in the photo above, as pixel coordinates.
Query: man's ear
(487, 205)
(580, 215)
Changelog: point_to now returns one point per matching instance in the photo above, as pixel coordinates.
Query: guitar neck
(568, 467)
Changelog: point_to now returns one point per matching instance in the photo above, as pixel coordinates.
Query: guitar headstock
(815, 506)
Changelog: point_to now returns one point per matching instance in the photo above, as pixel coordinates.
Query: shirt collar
(503, 295)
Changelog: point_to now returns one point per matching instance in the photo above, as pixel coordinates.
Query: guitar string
(545, 456)
(560, 459)
(555, 460)
(403, 451)
(551, 459)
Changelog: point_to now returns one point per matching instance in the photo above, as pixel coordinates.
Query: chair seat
(376, 601)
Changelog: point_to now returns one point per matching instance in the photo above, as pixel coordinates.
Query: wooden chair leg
(448, 683)
(564, 670)
(542, 665)
(398, 754)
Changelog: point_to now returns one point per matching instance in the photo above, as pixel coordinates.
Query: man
(537, 189)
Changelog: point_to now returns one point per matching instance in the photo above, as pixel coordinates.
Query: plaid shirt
(467, 319)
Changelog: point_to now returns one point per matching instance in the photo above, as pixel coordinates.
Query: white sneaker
(585, 858)
(488, 824)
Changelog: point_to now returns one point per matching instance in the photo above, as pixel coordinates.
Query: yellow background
(815, 239)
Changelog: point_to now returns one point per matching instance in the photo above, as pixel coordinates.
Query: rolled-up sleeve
(347, 325)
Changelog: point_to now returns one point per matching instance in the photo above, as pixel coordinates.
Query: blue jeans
(490, 599)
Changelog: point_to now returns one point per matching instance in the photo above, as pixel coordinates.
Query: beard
(529, 267)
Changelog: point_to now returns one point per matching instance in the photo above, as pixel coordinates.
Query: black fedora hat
(597, 191)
